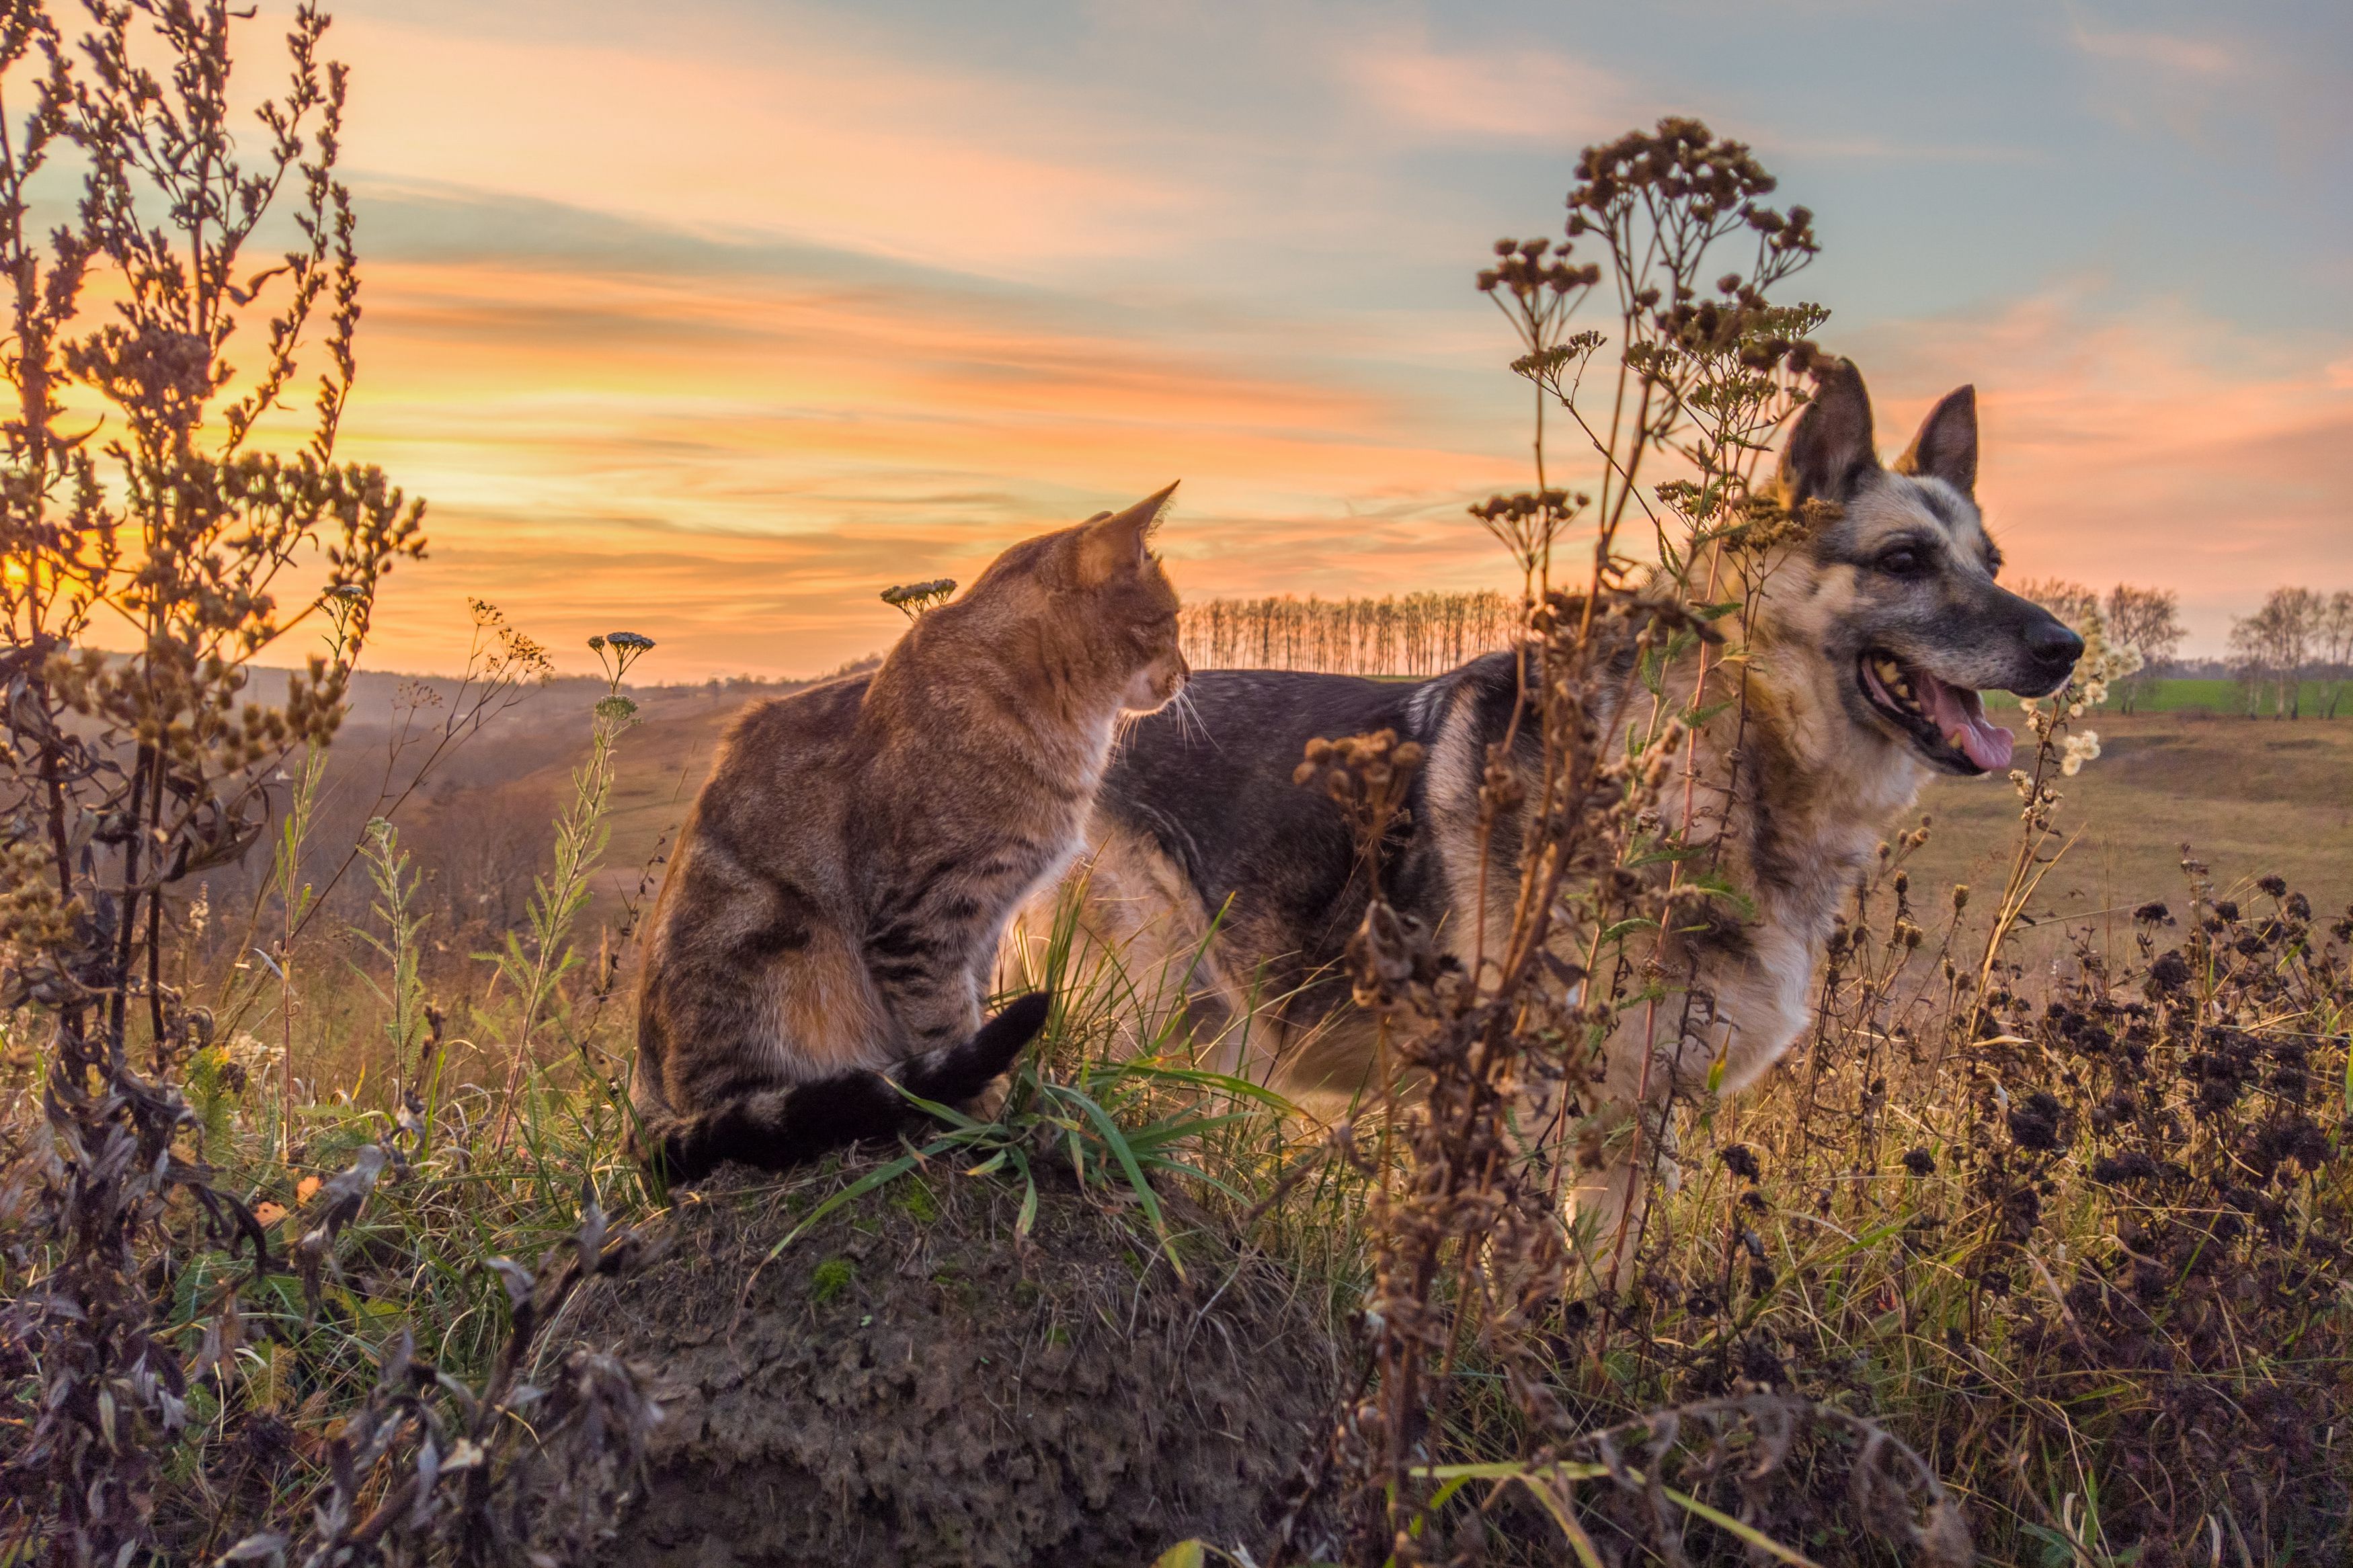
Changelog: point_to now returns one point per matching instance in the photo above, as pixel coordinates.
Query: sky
(710, 321)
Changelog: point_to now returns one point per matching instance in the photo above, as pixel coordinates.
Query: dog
(1869, 640)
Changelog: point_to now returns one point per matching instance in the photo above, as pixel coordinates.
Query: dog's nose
(2054, 645)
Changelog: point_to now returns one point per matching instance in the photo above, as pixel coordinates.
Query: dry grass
(1867, 1286)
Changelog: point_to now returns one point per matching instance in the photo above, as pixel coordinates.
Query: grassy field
(2215, 695)
(1862, 1233)
(2252, 797)
(1930, 1232)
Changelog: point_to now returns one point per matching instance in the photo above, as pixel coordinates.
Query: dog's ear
(1830, 450)
(1947, 447)
(1120, 542)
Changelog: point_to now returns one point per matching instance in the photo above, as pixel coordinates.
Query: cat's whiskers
(1188, 716)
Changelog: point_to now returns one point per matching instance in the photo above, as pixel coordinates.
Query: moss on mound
(910, 1384)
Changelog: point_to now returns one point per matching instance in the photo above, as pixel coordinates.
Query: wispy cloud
(2172, 53)
(1895, 150)
(804, 135)
(1524, 94)
(2237, 71)
(740, 449)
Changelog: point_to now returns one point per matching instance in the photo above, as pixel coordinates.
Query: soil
(911, 1383)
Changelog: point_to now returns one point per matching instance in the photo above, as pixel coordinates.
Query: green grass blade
(851, 1194)
(1126, 1158)
(1749, 1533)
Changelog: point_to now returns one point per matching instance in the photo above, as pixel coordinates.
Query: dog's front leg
(1608, 1204)
(1625, 1144)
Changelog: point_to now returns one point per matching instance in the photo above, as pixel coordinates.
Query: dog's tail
(778, 1128)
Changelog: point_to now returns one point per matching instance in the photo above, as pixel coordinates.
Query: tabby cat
(824, 936)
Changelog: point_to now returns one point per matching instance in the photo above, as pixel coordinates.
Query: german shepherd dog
(1870, 640)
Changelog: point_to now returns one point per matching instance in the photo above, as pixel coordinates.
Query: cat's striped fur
(823, 937)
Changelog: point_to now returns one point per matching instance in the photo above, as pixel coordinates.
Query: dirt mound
(908, 1385)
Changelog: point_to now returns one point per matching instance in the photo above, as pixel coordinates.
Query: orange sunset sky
(708, 320)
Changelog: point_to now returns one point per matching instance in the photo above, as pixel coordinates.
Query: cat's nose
(2052, 645)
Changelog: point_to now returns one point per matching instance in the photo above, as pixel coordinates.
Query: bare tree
(2335, 650)
(2148, 621)
(2071, 602)
(2251, 656)
(2274, 647)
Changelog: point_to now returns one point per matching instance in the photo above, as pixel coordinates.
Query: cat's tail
(778, 1128)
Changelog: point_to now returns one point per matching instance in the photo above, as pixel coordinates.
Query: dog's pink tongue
(1962, 718)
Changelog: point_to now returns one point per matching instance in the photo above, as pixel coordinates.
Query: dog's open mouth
(1946, 722)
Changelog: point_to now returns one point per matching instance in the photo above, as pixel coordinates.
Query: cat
(824, 933)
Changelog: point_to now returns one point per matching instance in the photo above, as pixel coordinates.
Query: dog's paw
(990, 1104)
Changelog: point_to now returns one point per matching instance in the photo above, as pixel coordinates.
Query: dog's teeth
(1954, 741)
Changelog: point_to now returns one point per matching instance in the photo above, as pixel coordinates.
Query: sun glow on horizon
(718, 323)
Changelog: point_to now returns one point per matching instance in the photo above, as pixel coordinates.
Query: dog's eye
(1904, 561)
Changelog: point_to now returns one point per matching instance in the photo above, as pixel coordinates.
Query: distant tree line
(2299, 637)
(1409, 634)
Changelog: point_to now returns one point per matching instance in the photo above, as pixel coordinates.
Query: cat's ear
(1121, 542)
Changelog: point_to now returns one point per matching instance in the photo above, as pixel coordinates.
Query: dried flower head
(913, 599)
